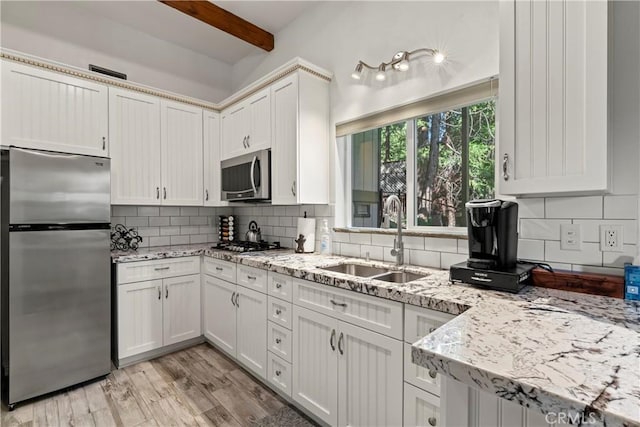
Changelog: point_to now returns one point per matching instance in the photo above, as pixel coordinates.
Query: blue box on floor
(632, 282)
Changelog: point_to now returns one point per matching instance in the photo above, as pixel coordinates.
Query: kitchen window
(434, 162)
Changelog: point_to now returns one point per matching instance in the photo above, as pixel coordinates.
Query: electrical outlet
(611, 238)
(570, 237)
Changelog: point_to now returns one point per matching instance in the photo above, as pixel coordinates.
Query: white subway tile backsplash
(189, 211)
(341, 237)
(137, 221)
(124, 211)
(382, 240)
(159, 241)
(531, 249)
(198, 220)
(375, 252)
(360, 238)
(179, 220)
(349, 249)
(323, 210)
(591, 229)
(589, 255)
(621, 207)
(169, 231)
(413, 242)
(463, 246)
(619, 259)
(441, 244)
(189, 229)
(424, 258)
(574, 207)
(117, 220)
(286, 221)
(206, 211)
(180, 240)
(198, 238)
(292, 210)
(448, 259)
(542, 229)
(148, 231)
(531, 208)
(169, 211)
(148, 211)
(159, 221)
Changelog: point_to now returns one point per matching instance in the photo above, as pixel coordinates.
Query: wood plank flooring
(198, 386)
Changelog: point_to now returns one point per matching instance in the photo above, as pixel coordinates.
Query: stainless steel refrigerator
(55, 271)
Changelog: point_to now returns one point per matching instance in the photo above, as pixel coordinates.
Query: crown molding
(290, 67)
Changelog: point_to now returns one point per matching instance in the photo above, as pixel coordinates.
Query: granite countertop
(547, 349)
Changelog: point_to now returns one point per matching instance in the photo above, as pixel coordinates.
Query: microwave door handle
(253, 181)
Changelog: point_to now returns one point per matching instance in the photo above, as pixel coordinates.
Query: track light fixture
(399, 62)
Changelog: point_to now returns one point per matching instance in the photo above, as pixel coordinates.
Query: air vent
(107, 72)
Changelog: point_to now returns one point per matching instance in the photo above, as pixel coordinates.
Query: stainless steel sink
(356, 270)
(400, 277)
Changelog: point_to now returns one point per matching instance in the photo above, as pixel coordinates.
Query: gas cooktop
(243, 246)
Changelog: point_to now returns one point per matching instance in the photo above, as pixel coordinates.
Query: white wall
(68, 33)
(335, 35)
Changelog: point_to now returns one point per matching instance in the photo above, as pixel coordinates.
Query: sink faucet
(393, 204)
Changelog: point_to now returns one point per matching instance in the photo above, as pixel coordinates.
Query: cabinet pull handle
(278, 285)
(159, 292)
(166, 291)
(232, 296)
(505, 162)
(432, 373)
(248, 138)
(161, 268)
(206, 194)
(164, 189)
(340, 343)
(332, 340)
(278, 312)
(339, 304)
(278, 340)
(293, 188)
(432, 421)
(158, 193)
(244, 142)
(432, 329)
(278, 373)
(219, 268)
(238, 299)
(251, 277)
(104, 143)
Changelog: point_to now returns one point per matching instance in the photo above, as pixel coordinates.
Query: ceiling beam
(216, 16)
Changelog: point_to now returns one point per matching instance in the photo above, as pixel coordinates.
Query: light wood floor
(197, 386)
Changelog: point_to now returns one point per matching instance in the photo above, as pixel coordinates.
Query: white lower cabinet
(345, 374)
(251, 332)
(279, 374)
(219, 313)
(157, 313)
(421, 409)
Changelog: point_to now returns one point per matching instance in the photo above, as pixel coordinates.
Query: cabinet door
(219, 313)
(259, 115)
(553, 97)
(234, 131)
(369, 378)
(52, 111)
(181, 311)
(421, 409)
(251, 333)
(284, 153)
(139, 317)
(181, 143)
(315, 364)
(134, 132)
(211, 149)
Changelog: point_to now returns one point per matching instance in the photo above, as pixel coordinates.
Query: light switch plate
(570, 237)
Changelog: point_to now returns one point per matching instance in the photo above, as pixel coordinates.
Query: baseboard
(148, 355)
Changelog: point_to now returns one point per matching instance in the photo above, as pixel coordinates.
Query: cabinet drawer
(280, 312)
(224, 270)
(375, 314)
(150, 270)
(279, 341)
(280, 286)
(419, 376)
(279, 374)
(253, 278)
(421, 408)
(419, 322)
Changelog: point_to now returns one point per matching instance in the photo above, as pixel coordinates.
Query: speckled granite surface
(545, 349)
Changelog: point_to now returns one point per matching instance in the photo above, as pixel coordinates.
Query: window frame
(344, 213)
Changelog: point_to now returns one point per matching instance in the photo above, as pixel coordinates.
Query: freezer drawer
(54, 188)
(58, 310)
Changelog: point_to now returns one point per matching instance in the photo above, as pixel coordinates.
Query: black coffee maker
(492, 227)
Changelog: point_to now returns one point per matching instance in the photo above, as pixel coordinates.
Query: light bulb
(403, 65)
(381, 75)
(357, 73)
(438, 57)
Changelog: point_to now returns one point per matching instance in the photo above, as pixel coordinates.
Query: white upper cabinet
(553, 97)
(181, 153)
(211, 149)
(134, 132)
(300, 149)
(246, 125)
(51, 111)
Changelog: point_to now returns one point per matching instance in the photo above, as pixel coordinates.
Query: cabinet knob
(433, 373)
(432, 421)
(278, 312)
(278, 340)
(505, 165)
(206, 194)
(219, 268)
(278, 373)
(251, 277)
(278, 285)
(104, 143)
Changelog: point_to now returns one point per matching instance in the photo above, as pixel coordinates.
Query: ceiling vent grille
(107, 72)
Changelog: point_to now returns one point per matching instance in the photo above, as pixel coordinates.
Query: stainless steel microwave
(247, 177)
